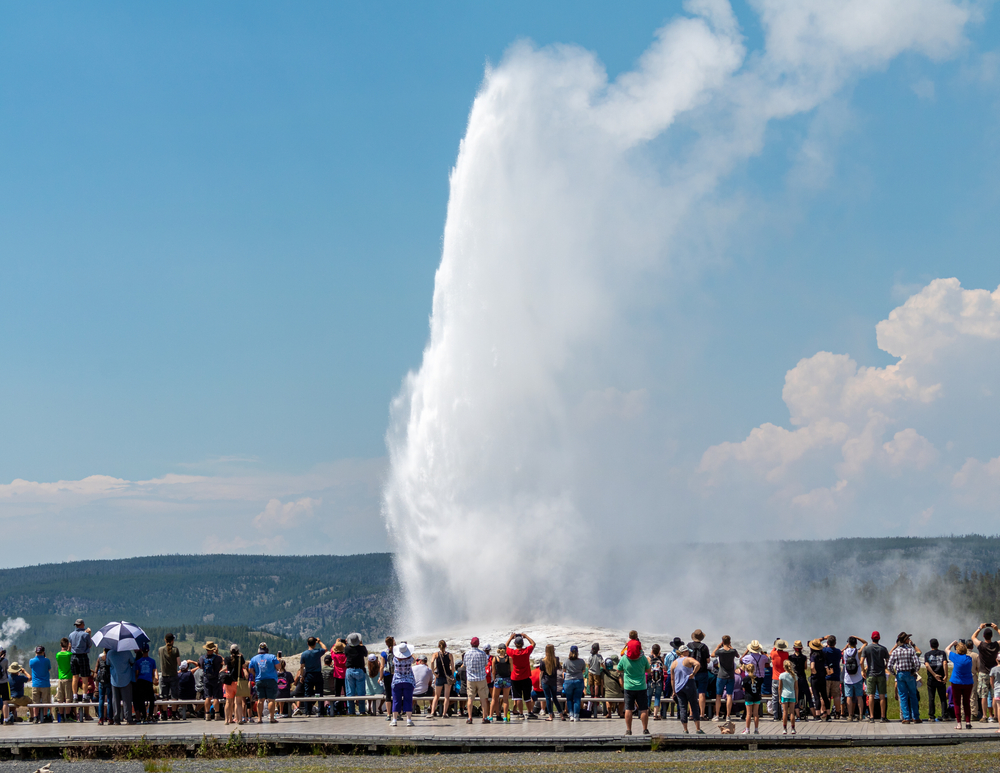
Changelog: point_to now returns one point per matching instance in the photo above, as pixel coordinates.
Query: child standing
(64, 692)
(751, 697)
(788, 691)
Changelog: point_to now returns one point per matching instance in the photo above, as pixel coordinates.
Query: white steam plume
(11, 628)
(510, 469)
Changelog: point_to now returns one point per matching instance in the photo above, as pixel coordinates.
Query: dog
(727, 728)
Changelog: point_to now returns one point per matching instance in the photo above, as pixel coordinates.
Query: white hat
(402, 651)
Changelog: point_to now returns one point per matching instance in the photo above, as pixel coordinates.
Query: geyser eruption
(516, 491)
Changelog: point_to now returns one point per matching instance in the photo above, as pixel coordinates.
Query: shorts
(229, 690)
(267, 689)
(213, 691)
(701, 681)
(79, 664)
(876, 686)
(22, 701)
(64, 691)
(725, 686)
(479, 689)
(855, 690)
(440, 681)
(983, 685)
(5, 692)
(520, 689)
(751, 703)
(788, 700)
(501, 683)
(41, 695)
(832, 688)
(636, 700)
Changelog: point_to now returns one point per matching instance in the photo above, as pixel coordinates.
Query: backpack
(851, 663)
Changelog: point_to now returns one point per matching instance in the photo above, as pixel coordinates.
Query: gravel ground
(883, 760)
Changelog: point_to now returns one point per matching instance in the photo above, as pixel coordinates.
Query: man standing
(475, 680)
(833, 657)
(312, 666)
(854, 677)
(595, 675)
(41, 686)
(356, 654)
(988, 649)
(211, 664)
(904, 662)
(79, 647)
(634, 667)
(698, 650)
(778, 656)
(937, 682)
(265, 668)
(682, 672)
(520, 672)
(874, 658)
(169, 686)
(122, 669)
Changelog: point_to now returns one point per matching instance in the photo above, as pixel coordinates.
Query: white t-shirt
(422, 677)
(856, 677)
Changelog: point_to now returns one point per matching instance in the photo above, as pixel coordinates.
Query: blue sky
(219, 227)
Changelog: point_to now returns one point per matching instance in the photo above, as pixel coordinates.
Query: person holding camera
(520, 672)
(988, 649)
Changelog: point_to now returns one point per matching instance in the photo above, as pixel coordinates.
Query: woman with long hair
(501, 682)
(386, 659)
(373, 683)
(549, 668)
(443, 667)
(961, 682)
(573, 683)
(234, 683)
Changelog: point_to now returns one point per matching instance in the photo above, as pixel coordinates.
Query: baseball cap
(875, 636)
(475, 641)
(39, 649)
(79, 621)
(262, 647)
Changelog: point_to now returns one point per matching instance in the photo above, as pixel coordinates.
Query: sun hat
(797, 644)
(781, 644)
(403, 651)
(903, 636)
(475, 641)
(677, 642)
(633, 649)
(210, 646)
(15, 668)
(816, 645)
(354, 639)
(755, 647)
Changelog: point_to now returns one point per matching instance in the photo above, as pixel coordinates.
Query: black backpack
(851, 664)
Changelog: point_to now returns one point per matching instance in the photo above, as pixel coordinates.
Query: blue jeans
(907, 684)
(356, 685)
(551, 699)
(653, 692)
(573, 690)
(104, 702)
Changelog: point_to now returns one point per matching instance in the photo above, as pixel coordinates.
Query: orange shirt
(778, 658)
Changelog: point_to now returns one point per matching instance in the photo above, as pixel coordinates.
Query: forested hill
(293, 596)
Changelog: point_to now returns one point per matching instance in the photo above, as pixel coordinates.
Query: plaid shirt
(904, 658)
(475, 665)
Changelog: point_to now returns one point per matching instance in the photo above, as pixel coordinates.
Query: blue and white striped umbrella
(121, 637)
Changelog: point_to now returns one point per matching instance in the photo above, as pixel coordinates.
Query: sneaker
(646, 731)
(756, 731)
(783, 732)
(793, 731)
(409, 723)
(746, 731)
(628, 732)
(392, 722)
(884, 720)
(991, 719)
(699, 732)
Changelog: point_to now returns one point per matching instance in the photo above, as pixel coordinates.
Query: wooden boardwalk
(375, 733)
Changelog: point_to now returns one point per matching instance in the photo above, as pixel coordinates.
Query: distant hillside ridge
(290, 596)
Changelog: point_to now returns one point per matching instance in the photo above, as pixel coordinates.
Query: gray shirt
(80, 641)
(573, 668)
(595, 665)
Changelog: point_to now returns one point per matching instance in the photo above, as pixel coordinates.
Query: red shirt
(778, 658)
(520, 662)
(536, 679)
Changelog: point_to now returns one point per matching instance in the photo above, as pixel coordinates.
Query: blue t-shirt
(17, 682)
(40, 668)
(264, 665)
(312, 660)
(144, 668)
(962, 672)
(833, 657)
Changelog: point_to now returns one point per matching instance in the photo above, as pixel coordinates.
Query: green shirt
(63, 662)
(634, 672)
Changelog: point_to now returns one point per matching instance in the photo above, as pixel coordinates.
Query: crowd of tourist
(692, 681)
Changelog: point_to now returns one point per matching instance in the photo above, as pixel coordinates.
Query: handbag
(243, 689)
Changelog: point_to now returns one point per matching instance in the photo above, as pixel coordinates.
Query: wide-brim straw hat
(210, 646)
(781, 644)
(755, 647)
(798, 644)
(816, 645)
(402, 651)
(15, 668)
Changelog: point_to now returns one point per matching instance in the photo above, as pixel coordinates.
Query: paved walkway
(455, 732)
